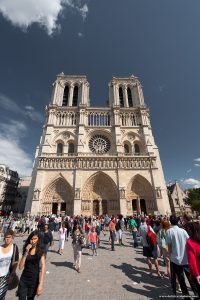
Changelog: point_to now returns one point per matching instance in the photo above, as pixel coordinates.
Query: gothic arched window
(71, 148)
(137, 149)
(65, 96)
(130, 100)
(59, 149)
(126, 148)
(75, 96)
(121, 98)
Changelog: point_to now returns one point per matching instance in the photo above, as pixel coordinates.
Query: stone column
(100, 207)
(71, 92)
(58, 209)
(138, 205)
(125, 96)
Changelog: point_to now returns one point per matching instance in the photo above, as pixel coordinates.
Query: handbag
(15, 279)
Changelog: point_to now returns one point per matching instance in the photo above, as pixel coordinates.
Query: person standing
(33, 265)
(112, 233)
(62, 233)
(77, 238)
(9, 256)
(176, 238)
(193, 253)
(165, 225)
(133, 228)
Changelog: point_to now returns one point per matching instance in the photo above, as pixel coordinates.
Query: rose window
(99, 144)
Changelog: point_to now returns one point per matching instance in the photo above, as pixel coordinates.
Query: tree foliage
(194, 199)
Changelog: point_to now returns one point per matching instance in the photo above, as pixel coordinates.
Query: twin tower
(97, 160)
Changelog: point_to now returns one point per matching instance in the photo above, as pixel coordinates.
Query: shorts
(150, 252)
(93, 246)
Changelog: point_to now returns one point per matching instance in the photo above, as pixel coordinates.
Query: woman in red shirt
(193, 252)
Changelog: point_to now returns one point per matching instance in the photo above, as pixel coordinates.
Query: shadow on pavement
(152, 287)
(66, 264)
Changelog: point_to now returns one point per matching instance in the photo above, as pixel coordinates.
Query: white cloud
(29, 111)
(197, 165)
(11, 152)
(23, 13)
(188, 171)
(193, 182)
(80, 34)
(197, 159)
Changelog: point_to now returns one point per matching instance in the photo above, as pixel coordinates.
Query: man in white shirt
(176, 238)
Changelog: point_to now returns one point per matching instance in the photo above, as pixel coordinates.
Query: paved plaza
(112, 275)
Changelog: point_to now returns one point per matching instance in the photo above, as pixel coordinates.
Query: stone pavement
(112, 275)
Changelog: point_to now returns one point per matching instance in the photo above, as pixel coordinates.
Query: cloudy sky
(156, 40)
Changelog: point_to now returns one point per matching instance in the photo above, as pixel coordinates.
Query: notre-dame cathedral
(97, 160)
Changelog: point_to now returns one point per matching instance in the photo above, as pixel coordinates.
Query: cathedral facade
(97, 160)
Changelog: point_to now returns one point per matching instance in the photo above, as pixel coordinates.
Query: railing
(92, 154)
(97, 163)
(129, 119)
(96, 118)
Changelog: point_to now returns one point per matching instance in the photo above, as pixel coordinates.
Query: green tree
(194, 199)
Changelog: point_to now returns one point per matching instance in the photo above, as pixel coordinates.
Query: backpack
(151, 237)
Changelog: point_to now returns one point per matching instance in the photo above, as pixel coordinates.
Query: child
(62, 232)
(93, 240)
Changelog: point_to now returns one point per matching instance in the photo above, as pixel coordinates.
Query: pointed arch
(100, 189)
(59, 192)
(140, 191)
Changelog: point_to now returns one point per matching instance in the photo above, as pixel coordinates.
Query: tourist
(193, 253)
(149, 249)
(77, 242)
(62, 233)
(93, 237)
(9, 256)
(165, 225)
(33, 265)
(119, 229)
(176, 238)
(46, 238)
(112, 232)
(133, 228)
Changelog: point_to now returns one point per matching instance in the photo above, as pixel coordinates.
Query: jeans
(179, 270)
(135, 239)
(112, 238)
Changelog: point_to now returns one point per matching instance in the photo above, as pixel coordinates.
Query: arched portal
(140, 196)
(58, 198)
(100, 196)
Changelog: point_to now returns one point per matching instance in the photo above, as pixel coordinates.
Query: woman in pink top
(62, 233)
(193, 252)
(93, 240)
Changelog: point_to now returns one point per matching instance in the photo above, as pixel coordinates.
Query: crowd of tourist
(175, 241)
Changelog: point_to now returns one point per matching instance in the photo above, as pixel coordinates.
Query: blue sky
(156, 40)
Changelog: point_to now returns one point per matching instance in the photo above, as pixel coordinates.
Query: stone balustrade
(91, 163)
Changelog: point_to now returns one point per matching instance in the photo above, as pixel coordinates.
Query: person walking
(33, 265)
(165, 225)
(193, 253)
(46, 238)
(149, 249)
(77, 242)
(133, 228)
(93, 237)
(62, 234)
(9, 256)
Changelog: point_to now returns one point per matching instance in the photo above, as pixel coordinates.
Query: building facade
(97, 160)
(177, 200)
(9, 181)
